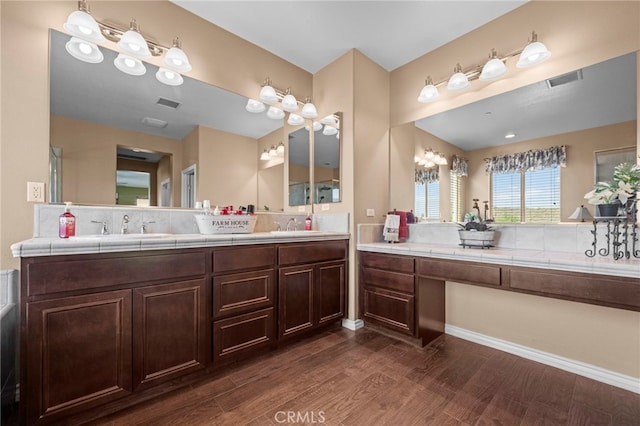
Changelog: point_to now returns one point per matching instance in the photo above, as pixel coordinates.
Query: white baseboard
(352, 325)
(577, 367)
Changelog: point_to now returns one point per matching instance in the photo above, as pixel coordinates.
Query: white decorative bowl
(225, 224)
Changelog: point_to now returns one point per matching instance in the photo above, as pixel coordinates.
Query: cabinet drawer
(244, 258)
(601, 290)
(387, 262)
(312, 252)
(243, 335)
(85, 272)
(459, 271)
(389, 280)
(238, 293)
(391, 309)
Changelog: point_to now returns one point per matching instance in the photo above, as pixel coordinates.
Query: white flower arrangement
(625, 184)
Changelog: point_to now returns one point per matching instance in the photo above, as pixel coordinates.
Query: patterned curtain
(427, 175)
(459, 166)
(536, 159)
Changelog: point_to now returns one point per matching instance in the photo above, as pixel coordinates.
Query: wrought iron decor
(621, 236)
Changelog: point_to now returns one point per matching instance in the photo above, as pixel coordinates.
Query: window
(427, 200)
(455, 198)
(532, 196)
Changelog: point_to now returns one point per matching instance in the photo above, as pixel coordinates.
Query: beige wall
(89, 153)
(575, 180)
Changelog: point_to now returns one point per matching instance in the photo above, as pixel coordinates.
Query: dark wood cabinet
(169, 326)
(311, 292)
(77, 355)
(243, 302)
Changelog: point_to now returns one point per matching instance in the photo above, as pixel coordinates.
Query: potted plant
(609, 196)
(475, 233)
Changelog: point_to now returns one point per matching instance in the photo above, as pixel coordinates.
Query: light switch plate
(371, 212)
(35, 192)
(325, 207)
(301, 209)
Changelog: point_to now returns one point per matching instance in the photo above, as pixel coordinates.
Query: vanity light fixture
(275, 113)
(279, 102)
(280, 149)
(295, 119)
(273, 152)
(255, 106)
(430, 158)
(534, 53)
(289, 102)
(133, 47)
(268, 93)
(309, 109)
(494, 67)
(265, 155)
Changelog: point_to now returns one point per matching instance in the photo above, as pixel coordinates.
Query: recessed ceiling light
(510, 135)
(154, 122)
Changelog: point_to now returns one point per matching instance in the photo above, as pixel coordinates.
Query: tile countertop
(563, 261)
(54, 246)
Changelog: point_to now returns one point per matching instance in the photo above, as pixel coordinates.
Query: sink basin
(292, 233)
(118, 236)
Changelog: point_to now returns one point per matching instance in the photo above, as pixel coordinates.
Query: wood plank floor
(341, 377)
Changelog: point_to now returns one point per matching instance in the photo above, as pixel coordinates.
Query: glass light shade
(443, 161)
(169, 77)
(275, 113)
(429, 164)
(330, 120)
(533, 54)
(280, 149)
(295, 119)
(309, 110)
(436, 158)
(429, 154)
(457, 82)
(329, 130)
(268, 94)
(81, 24)
(422, 161)
(255, 106)
(494, 68)
(132, 43)
(129, 65)
(429, 93)
(177, 60)
(273, 152)
(289, 103)
(84, 50)
(317, 126)
(416, 158)
(265, 155)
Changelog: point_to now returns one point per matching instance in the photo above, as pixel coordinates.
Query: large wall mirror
(105, 123)
(588, 110)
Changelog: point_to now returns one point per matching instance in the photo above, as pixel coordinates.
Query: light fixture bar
(114, 33)
(280, 94)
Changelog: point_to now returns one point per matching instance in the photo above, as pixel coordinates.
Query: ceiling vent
(564, 79)
(168, 103)
(154, 122)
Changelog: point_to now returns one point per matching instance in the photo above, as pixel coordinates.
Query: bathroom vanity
(109, 329)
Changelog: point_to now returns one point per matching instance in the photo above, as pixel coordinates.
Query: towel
(391, 228)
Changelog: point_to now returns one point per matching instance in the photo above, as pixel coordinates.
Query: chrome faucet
(278, 226)
(289, 222)
(124, 229)
(143, 228)
(103, 229)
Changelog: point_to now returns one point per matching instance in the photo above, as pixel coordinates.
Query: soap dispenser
(67, 223)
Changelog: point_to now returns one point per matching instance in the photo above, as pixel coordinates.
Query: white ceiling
(312, 34)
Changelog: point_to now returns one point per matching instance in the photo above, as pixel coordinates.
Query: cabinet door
(389, 308)
(295, 302)
(170, 332)
(330, 291)
(78, 354)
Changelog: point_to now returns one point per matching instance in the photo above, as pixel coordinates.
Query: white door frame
(188, 187)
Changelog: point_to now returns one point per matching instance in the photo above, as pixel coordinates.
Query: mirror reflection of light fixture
(295, 119)
(494, 67)
(430, 158)
(84, 50)
(280, 149)
(317, 126)
(329, 130)
(268, 93)
(129, 65)
(534, 53)
(309, 109)
(581, 213)
(458, 81)
(265, 155)
(255, 106)
(169, 77)
(429, 92)
(275, 113)
(273, 152)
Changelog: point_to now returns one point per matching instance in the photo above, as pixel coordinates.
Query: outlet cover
(35, 192)
(325, 207)
(371, 213)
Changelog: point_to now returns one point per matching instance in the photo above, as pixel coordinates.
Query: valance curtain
(459, 166)
(427, 175)
(535, 159)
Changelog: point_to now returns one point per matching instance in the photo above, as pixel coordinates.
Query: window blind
(433, 200)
